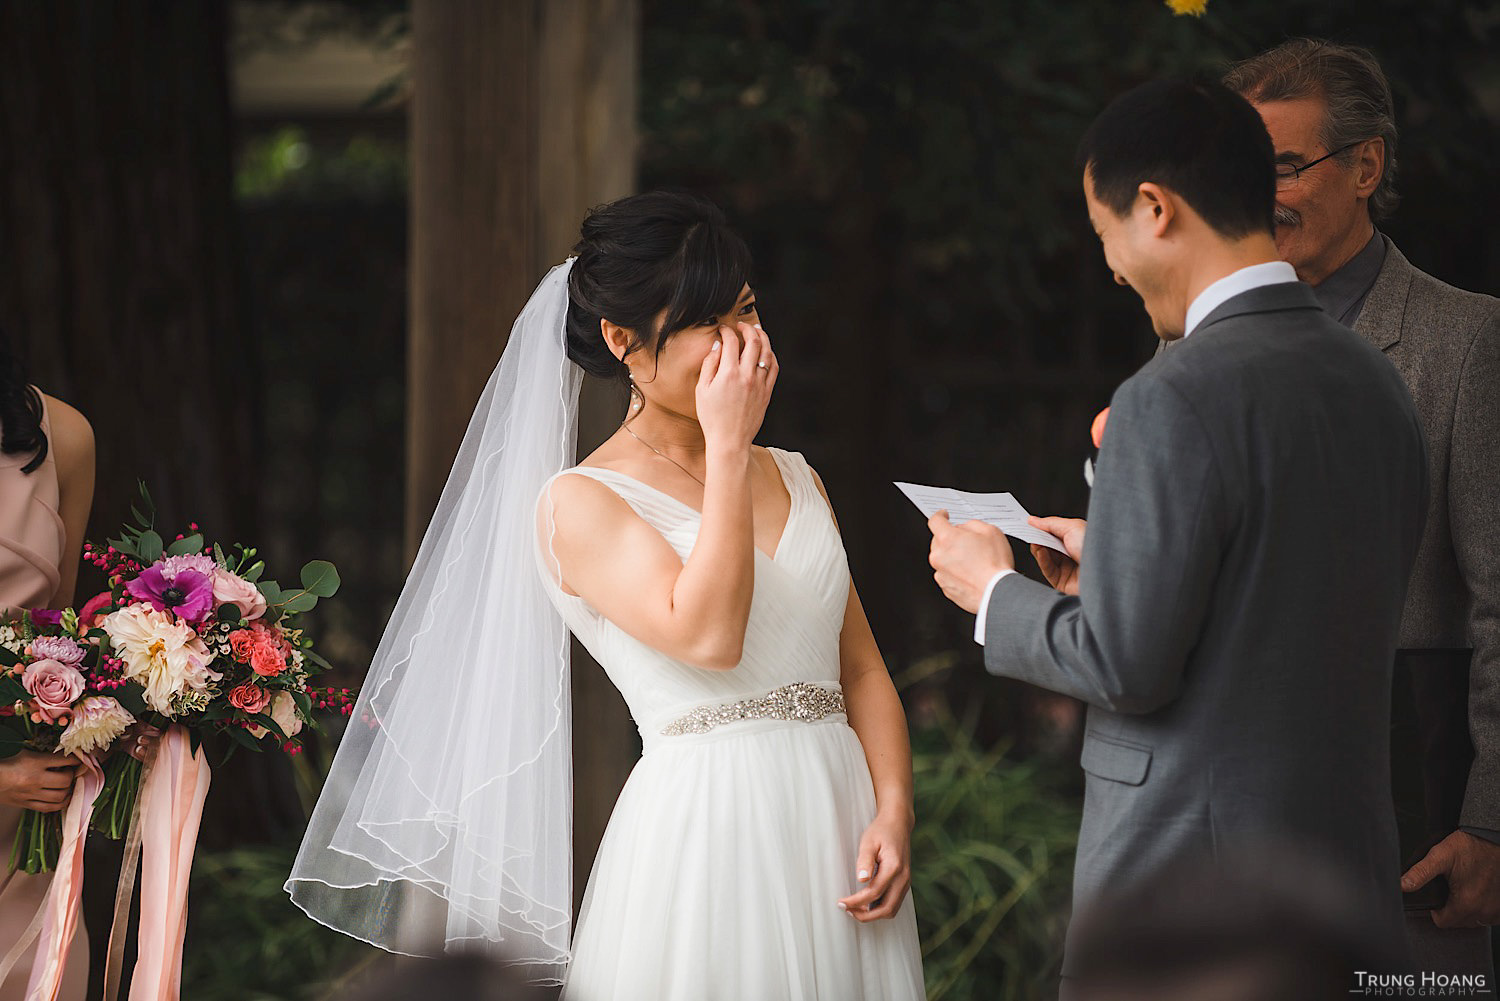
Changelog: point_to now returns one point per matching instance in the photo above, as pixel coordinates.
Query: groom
(1257, 504)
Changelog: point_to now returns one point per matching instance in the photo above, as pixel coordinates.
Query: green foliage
(185, 545)
(246, 941)
(287, 164)
(992, 867)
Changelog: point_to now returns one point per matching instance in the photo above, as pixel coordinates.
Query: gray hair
(1349, 79)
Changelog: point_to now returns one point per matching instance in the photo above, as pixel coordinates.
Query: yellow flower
(1193, 7)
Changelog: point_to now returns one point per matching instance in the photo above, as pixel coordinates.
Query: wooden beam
(523, 117)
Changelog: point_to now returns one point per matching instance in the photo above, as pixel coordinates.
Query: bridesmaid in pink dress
(46, 490)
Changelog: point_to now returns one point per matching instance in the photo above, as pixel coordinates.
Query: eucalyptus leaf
(321, 578)
(256, 569)
(189, 544)
(150, 547)
(300, 601)
(125, 546)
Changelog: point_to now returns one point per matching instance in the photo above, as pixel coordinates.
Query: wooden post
(523, 117)
(120, 277)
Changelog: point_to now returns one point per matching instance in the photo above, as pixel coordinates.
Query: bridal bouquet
(189, 637)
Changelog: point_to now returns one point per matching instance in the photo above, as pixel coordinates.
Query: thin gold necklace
(664, 455)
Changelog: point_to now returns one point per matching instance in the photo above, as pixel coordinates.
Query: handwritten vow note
(1001, 510)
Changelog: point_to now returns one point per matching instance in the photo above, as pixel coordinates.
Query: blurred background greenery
(904, 173)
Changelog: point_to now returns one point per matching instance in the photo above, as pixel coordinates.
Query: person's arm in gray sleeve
(1157, 519)
(1474, 517)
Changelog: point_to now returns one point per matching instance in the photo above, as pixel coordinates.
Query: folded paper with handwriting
(1001, 510)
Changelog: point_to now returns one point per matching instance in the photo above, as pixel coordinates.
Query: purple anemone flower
(187, 593)
(45, 617)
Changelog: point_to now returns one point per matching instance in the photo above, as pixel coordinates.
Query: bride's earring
(636, 397)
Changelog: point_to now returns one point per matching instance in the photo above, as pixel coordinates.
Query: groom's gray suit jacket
(1257, 505)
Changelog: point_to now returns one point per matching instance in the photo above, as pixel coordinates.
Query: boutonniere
(1097, 433)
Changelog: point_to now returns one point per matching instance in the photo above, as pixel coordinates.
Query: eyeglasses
(1288, 174)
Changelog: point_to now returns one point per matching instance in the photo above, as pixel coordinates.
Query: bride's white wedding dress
(719, 875)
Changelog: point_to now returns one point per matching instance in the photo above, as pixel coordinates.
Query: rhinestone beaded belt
(801, 702)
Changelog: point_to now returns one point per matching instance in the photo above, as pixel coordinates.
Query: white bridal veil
(446, 821)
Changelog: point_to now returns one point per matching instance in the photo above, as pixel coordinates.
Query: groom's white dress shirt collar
(1231, 285)
(1210, 299)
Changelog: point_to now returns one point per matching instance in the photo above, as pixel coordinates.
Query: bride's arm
(694, 611)
(877, 718)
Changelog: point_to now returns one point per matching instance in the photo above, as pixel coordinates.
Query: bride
(761, 846)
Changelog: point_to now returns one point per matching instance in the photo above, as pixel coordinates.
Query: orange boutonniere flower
(1097, 431)
(1193, 7)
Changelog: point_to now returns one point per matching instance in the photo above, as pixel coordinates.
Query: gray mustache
(1286, 217)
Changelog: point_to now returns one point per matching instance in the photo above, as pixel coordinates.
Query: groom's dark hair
(1195, 137)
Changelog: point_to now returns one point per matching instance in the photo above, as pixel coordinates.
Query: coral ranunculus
(250, 697)
(268, 660)
(89, 615)
(164, 655)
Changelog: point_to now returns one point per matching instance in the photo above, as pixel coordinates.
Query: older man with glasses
(1328, 109)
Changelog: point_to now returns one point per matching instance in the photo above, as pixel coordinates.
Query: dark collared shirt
(1343, 293)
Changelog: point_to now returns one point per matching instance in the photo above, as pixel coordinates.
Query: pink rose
(54, 687)
(250, 697)
(232, 589)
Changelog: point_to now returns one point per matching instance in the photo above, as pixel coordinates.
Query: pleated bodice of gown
(729, 847)
(32, 540)
(796, 616)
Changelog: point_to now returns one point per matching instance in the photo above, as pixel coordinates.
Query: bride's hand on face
(884, 869)
(734, 387)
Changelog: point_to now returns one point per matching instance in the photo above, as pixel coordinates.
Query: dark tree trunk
(117, 226)
(119, 290)
(523, 116)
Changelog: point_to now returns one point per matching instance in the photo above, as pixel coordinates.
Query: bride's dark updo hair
(640, 255)
(20, 410)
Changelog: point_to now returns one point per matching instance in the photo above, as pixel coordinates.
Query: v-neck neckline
(786, 484)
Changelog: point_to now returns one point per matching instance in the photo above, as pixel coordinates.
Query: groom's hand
(1061, 571)
(965, 558)
(1472, 866)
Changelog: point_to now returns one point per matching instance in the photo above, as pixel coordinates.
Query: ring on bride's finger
(761, 364)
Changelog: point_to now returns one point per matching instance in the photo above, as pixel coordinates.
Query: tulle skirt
(719, 876)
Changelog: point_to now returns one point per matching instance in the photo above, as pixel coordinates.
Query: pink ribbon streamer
(173, 788)
(173, 792)
(60, 910)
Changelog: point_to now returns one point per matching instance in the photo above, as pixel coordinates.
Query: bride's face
(669, 380)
